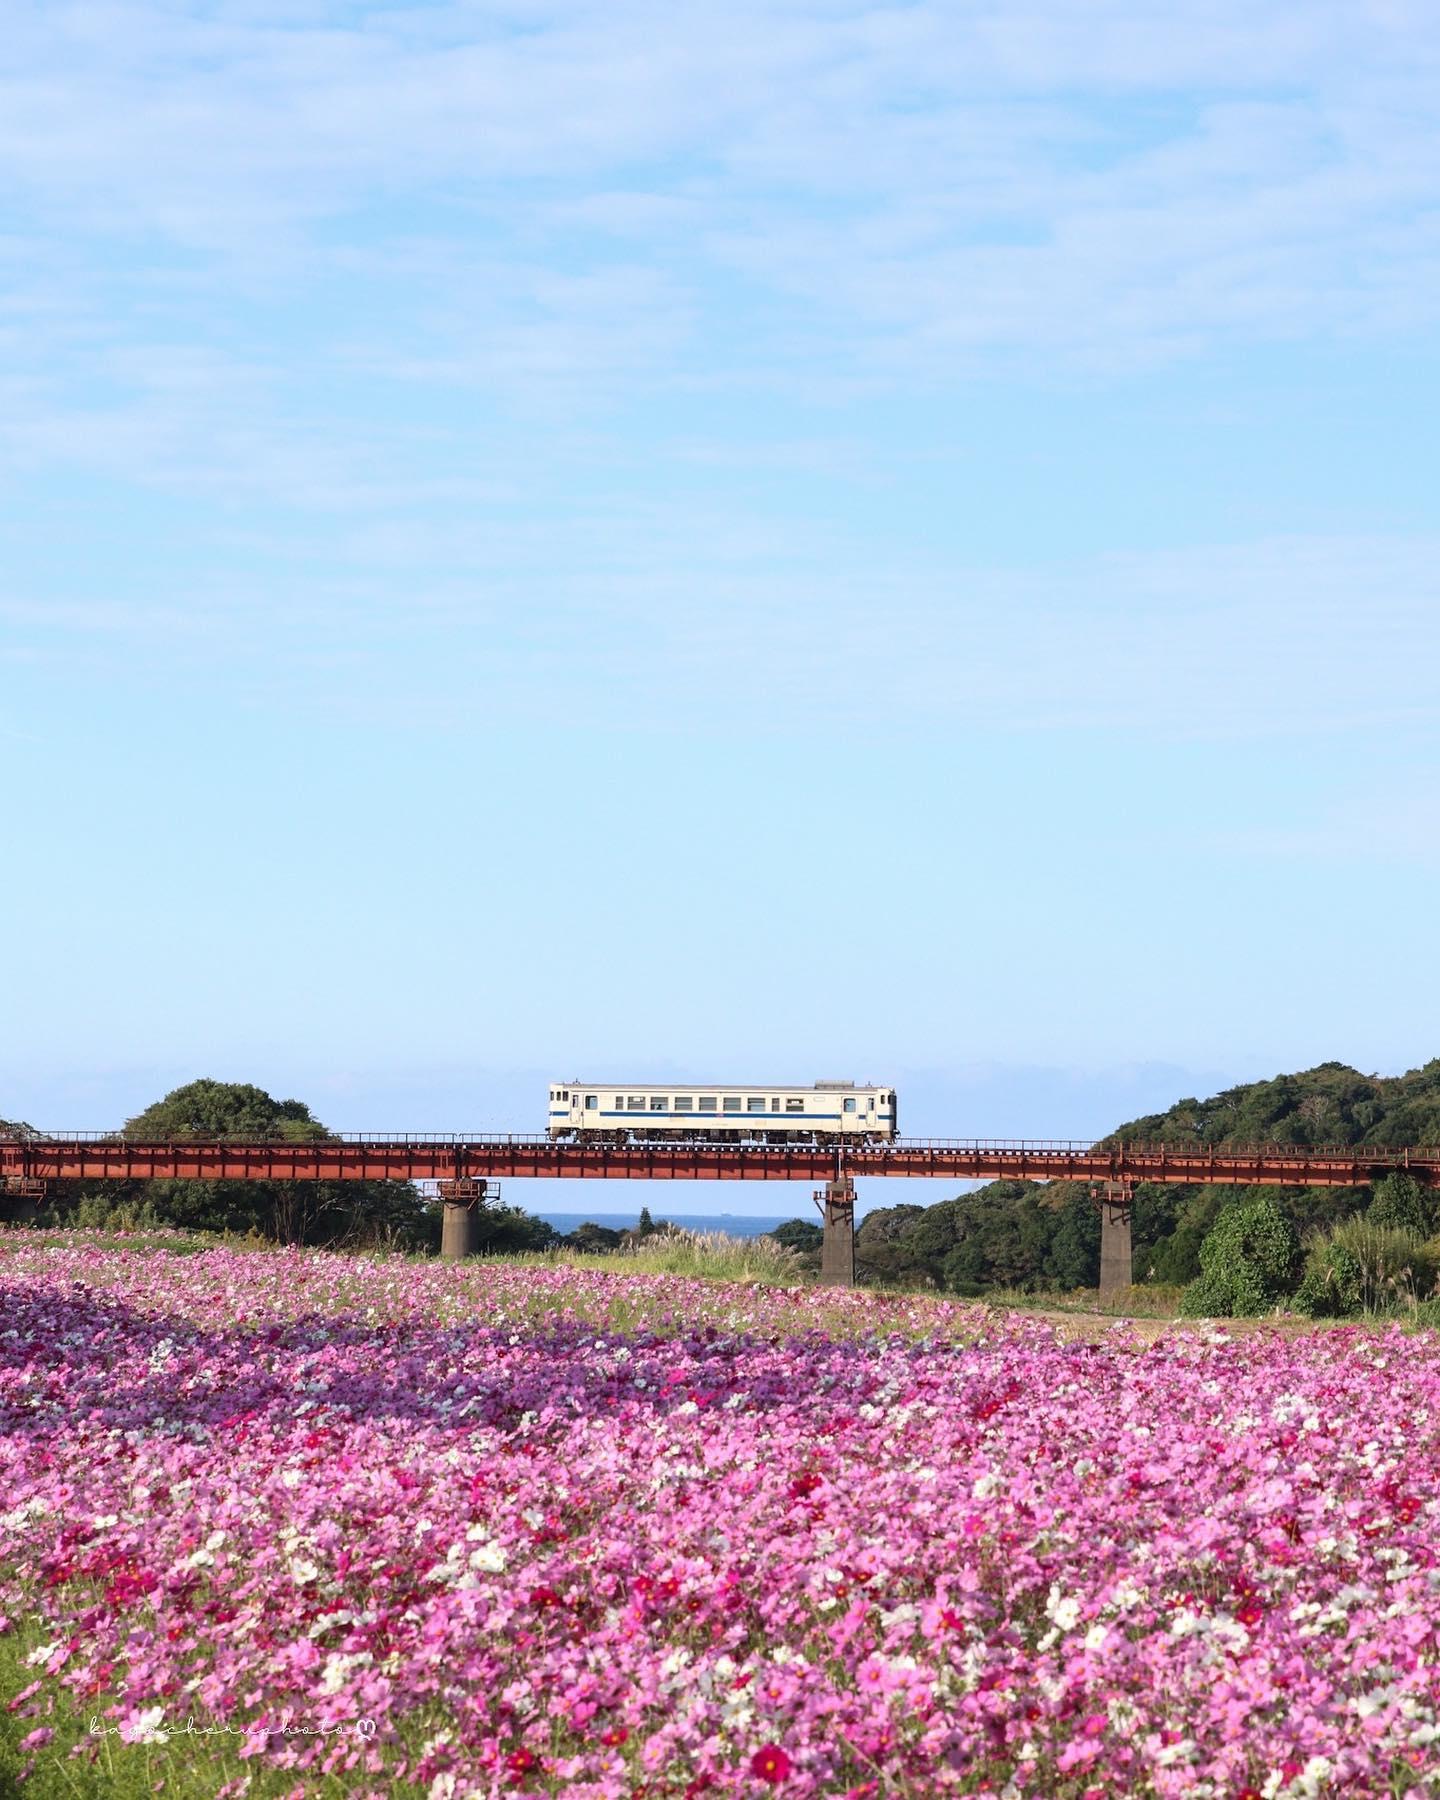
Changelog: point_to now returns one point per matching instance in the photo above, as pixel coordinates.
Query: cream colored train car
(619, 1111)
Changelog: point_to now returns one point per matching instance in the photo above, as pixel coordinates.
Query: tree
(999, 1236)
(965, 1269)
(1073, 1258)
(882, 1252)
(646, 1226)
(1175, 1260)
(1249, 1260)
(593, 1238)
(211, 1109)
(292, 1212)
(1401, 1204)
(1016, 1241)
(510, 1230)
(798, 1234)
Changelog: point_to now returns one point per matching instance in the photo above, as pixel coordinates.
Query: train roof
(726, 1087)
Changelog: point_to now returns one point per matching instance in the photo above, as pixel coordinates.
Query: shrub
(1401, 1204)
(1248, 1261)
(115, 1212)
(1207, 1297)
(1360, 1267)
(1332, 1285)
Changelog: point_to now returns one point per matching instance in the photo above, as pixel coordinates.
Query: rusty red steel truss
(27, 1162)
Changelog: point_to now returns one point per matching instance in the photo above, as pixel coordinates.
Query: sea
(740, 1225)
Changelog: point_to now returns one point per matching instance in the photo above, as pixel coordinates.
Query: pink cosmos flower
(479, 1511)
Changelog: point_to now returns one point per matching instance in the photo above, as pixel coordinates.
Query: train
(622, 1112)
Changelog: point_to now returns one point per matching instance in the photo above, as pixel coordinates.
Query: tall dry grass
(707, 1254)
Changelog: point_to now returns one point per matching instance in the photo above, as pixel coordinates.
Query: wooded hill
(1331, 1104)
(1019, 1234)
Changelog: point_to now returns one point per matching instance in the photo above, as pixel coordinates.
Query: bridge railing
(1057, 1147)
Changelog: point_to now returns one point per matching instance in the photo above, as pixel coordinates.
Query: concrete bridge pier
(1115, 1200)
(460, 1219)
(837, 1247)
(22, 1199)
(458, 1236)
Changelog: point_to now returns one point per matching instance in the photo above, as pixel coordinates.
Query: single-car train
(618, 1112)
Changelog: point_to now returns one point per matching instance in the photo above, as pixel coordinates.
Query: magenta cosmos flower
(770, 1763)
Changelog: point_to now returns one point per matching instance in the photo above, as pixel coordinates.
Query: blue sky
(794, 539)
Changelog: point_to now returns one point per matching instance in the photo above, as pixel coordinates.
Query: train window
(850, 1106)
(872, 1103)
(774, 1105)
(591, 1101)
(707, 1103)
(565, 1096)
(683, 1103)
(659, 1103)
(636, 1103)
(754, 1106)
(732, 1103)
(794, 1106)
(619, 1103)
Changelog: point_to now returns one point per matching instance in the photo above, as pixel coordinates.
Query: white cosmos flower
(145, 1727)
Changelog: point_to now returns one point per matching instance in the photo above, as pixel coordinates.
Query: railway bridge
(465, 1167)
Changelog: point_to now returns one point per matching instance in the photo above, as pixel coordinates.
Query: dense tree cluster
(393, 1213)
(1331, 1104)
(1013, 1234)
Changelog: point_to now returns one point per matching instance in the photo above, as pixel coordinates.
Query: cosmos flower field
(301, 1524)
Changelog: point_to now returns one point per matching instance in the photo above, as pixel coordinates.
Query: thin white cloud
(371, 289)
(695, 623)
(1102, 182)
